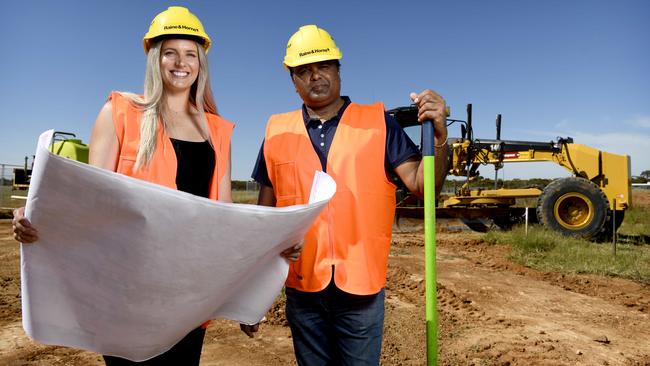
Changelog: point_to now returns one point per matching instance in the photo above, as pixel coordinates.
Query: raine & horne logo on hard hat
(180, 26)
(311, 52)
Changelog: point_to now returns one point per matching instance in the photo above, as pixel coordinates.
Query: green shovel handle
(428, 157)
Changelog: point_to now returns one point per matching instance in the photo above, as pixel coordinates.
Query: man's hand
(23, 230)
(293, 253)
(431, 107)
(250, 330)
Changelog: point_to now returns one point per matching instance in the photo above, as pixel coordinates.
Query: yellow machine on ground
(67, 145)
(590, 204)
(64, 144)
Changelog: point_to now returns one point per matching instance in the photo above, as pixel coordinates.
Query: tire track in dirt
(492, 311)
(624, 292)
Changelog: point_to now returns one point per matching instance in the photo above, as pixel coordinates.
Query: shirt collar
(346, 103)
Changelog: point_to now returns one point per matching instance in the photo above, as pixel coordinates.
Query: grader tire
(609, 229)
(574, 207)
(477, 225)
(506, 222)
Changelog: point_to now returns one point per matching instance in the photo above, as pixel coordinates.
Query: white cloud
(636, 145)
(641, 121)
(630, 137)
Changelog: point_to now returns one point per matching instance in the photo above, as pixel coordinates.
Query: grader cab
(590, 204)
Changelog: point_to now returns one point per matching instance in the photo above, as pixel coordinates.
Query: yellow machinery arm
(610, 172)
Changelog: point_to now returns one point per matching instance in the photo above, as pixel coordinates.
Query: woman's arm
(225, 192)
(104, 145)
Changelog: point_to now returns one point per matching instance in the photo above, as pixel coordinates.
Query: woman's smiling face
(179, 64)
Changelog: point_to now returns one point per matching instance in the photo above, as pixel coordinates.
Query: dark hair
(334, 62)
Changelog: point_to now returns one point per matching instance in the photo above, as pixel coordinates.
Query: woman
(172, 135)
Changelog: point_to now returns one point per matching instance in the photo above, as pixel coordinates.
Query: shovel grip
(428, 148)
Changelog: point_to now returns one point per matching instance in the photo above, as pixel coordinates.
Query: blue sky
(551, 68)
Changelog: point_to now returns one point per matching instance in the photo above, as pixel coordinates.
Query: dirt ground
(491, 312)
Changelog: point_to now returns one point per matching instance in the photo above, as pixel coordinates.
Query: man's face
(318, 84)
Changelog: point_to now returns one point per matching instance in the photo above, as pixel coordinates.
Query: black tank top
(195, 166)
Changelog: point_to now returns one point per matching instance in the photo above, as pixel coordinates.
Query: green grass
(545, 250)
(244, 196)
(5, 197)
(636, 222)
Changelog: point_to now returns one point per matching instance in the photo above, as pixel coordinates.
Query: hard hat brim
(202, 41)
(311, 60)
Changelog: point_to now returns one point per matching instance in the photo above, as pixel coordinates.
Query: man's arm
(431, 107)
(266, 196)
(411, 172)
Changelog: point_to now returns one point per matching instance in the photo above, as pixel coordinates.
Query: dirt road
(491, 312)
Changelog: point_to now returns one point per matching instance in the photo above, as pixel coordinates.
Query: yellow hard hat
(310, 44)
(176, 20)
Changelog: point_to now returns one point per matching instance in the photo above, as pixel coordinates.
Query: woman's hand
(292, 254)
(23, 230)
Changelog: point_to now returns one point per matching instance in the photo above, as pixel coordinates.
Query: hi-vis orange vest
(353, 233)
(162, 167)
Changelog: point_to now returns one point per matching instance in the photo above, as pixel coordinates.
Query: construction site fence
(7, 173)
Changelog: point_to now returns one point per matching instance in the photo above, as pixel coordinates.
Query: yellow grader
(590, 204)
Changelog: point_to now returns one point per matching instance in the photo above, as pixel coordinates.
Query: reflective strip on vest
(162, 167)
(353, 233)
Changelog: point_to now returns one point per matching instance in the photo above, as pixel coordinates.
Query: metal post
(496, 166)
(526, 226)
(614, 228)
(2, 187)
(428, 157)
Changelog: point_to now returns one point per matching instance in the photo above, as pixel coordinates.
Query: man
(335, 290)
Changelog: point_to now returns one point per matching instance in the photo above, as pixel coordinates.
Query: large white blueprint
(127, 268)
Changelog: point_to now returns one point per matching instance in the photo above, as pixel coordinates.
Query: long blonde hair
(152, 103)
